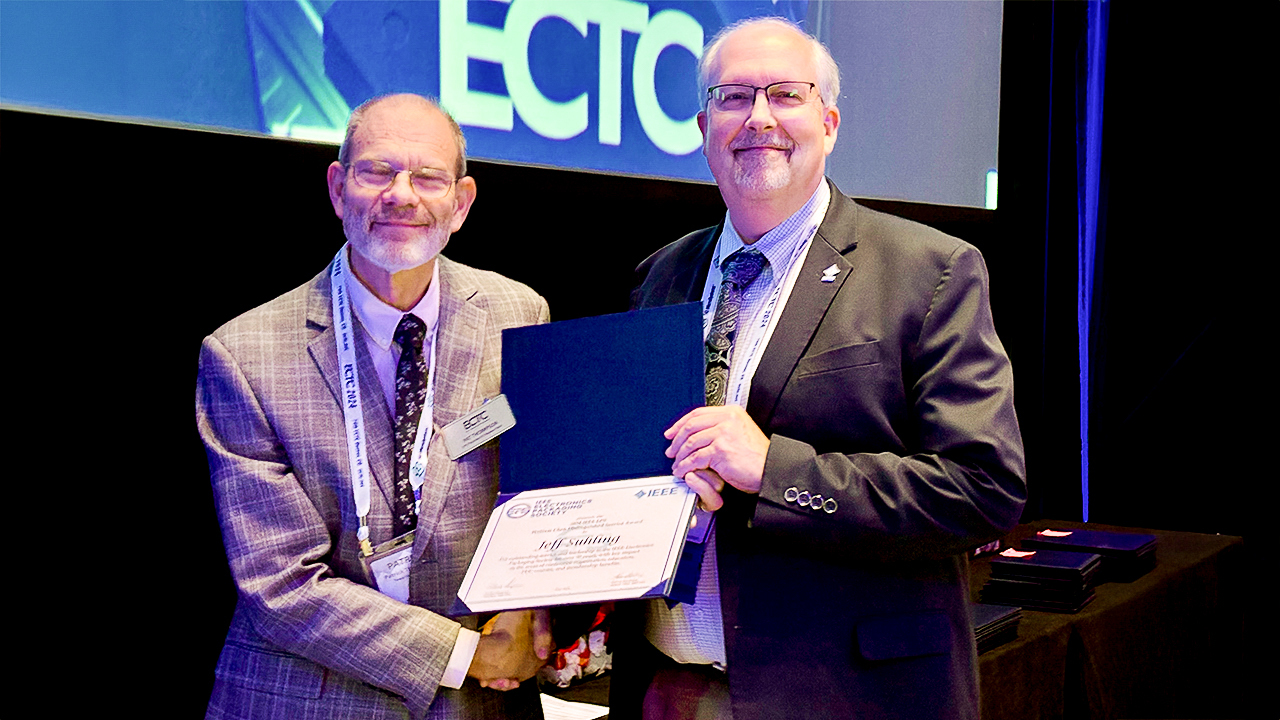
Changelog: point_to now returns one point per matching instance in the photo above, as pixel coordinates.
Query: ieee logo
(658, 492)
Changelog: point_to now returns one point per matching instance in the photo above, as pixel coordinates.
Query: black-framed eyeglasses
(429, 183)
(736, 97)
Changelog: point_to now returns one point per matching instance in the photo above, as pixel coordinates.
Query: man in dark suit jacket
(873, 443)
(311, 637)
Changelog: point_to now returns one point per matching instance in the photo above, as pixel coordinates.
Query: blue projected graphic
(605, 85)
(602, 85)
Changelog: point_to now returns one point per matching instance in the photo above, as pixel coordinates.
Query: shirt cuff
(464, 649)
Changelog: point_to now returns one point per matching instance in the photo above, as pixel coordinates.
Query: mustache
(408, 216)
(755, 140)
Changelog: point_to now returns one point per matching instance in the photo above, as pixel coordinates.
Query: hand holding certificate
(590, 543)
(588, 510)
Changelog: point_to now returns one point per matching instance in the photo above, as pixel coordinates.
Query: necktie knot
(743, 266)
(410, 333)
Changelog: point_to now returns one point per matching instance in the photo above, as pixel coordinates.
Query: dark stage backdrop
(128, 244)
(137, 241)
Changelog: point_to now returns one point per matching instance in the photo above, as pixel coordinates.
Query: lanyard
(762, 327)
(352, 407)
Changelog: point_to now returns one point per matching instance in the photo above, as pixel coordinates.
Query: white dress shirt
(695, 633)
(379, 321)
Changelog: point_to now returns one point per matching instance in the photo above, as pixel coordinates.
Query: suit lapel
(459, 355)
(806, 306)
(377, 418)
(691, 270)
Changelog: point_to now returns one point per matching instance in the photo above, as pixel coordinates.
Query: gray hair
(828, 72)
(357, 116)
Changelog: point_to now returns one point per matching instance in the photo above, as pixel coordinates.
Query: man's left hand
(722, 439)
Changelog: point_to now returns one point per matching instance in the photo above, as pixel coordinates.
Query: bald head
(400, 105)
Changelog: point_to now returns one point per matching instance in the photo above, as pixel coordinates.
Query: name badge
(478, 427)
(388, 567)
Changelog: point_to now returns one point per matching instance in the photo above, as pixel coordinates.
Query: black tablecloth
(1167, 645)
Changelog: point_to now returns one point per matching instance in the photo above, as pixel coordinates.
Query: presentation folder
(1048, 565)
(1125, 556)
(592, 398)
(1050, 580)
(1102, 542)
(994, 625)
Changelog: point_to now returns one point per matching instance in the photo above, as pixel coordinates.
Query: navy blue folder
(592, 397)
(994, 625)
(1125, 556)
(1047, 564)
(1051, 580)
(1102, 542)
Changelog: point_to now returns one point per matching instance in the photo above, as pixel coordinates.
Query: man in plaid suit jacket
(310, 638)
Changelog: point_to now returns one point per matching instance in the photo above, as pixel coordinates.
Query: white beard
(759, 174)
(393, 256)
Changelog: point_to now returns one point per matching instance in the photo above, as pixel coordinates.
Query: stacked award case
(1125, 556)
(1050, 580)
(995, 625)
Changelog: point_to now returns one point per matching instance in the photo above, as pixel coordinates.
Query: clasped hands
(513, 646)
(715, 445)
(710, 446)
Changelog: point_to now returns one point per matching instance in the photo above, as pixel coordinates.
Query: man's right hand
(513, 646)
(717, 445)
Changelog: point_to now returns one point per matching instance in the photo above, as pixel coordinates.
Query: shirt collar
(380, 319)
(777, 244)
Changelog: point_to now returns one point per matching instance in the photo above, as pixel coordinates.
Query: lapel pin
(829, 275)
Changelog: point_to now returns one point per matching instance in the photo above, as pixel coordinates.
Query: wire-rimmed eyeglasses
(377, 175)
(736, 97)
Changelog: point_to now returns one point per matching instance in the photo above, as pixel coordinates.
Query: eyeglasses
(735, 97)
(377, 175)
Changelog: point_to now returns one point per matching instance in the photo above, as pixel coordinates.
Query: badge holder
(387, 568)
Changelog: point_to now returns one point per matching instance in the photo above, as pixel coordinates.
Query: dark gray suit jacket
(888, 391)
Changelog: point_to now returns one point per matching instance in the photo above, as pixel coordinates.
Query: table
(1167, 645)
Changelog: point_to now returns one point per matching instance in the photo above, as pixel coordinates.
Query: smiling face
(766, 153)
(395, 229)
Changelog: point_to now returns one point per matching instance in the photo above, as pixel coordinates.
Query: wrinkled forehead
(407, 131)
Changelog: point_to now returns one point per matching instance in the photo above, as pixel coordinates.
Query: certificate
(615, 540)
(587, 511)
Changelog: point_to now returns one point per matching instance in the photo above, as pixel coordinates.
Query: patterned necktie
(739, 270)
(411, 395)
(695, 633)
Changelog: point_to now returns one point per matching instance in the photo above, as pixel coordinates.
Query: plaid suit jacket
(309, 637)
